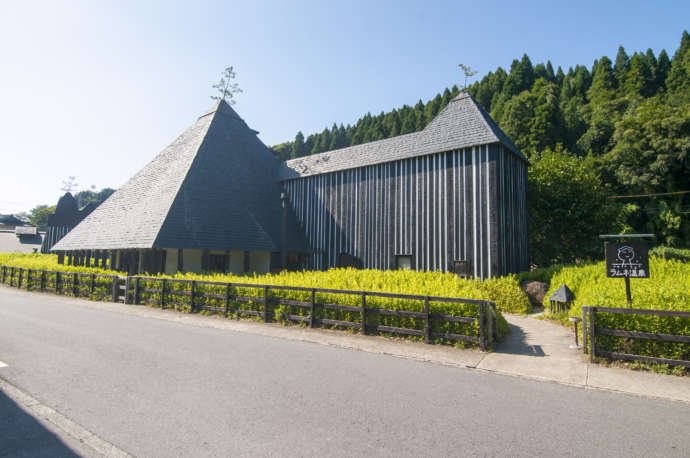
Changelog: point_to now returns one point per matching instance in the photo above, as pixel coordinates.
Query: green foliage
(630, 115)
(102, 286)
(86, 197)
(39, 215)
(568, 208)
(666, 252)
(668, 288)
(504, 291)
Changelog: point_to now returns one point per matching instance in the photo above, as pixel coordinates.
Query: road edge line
(61, 422)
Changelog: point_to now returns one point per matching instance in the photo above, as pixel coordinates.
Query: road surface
(155, 388)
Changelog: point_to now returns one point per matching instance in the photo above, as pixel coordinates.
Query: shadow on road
(22, 435)
(516, 344)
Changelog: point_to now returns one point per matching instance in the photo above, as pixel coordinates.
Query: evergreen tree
(603, 86)
(298, 146)
(559, 76)
(678, 81)
(549, 72)
(663, 66)
(621, 66)
(638, 81)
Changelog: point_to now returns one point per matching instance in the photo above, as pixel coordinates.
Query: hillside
(626, 119)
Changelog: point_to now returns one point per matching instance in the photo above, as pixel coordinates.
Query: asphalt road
(159, 388)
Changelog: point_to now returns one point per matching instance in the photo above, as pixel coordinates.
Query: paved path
(155, 383)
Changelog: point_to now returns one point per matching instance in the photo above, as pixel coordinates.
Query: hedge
(504, 291)
(668, 288)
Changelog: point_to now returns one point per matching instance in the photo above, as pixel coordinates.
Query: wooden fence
(264, 301)
(591, 332)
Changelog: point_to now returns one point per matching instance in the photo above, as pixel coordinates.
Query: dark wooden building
(450, 197)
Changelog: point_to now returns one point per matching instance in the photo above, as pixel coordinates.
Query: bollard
(575, 320)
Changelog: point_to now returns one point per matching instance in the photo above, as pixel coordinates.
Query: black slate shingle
(462, 123)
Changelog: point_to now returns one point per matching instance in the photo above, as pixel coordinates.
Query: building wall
(460, 205)
(171, 260)
(259, 261)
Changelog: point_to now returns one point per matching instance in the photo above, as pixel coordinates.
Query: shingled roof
(214, 187)
(462, 123)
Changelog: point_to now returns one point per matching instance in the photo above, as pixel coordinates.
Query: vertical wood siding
(468, 204)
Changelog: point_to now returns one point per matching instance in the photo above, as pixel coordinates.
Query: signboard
(627, 259)
(25, 230)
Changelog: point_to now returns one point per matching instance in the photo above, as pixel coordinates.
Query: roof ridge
(383, 140)
(497, 132)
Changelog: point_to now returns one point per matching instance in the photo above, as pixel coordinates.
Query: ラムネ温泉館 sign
(627, 259)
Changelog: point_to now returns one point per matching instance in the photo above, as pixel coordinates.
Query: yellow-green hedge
(668, 288)
(505, 291)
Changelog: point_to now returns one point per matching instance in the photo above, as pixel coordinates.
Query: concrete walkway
(535, 349)
(539, 349)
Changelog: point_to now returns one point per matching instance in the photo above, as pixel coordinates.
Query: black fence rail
(591, 334)
(76, 284)
(314, 307)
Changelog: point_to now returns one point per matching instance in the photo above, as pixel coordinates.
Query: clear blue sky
(96, 89)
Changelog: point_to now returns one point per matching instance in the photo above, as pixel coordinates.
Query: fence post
(43, 280)
(265, 304)
(191, 297)
(584, 329)
(227, 299)
(136, 290)
(128, 283)
(162, 301)
(427, 322)
(116, 289)
(364, 313)
(4, 273)
(75, 284)
(19, 283)
(311, 308)
(58, 280)
(482, 336)
(592, 332)
(93, 283)
(490, 324)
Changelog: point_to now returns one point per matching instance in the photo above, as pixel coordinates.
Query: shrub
(505, 292)
(668, 288)
(666, 252)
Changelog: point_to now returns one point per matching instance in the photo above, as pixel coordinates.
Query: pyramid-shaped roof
(462, 123)
(214, 187)
(562, 294)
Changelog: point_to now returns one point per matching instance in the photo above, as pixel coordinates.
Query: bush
(102, 286)
(668, 288)
(505, 292)
(666, 252)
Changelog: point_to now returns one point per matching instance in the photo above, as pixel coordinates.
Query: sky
(96, 89)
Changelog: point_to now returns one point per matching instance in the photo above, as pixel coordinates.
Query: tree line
(620, 127)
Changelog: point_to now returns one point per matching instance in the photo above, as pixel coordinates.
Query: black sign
(628, 259)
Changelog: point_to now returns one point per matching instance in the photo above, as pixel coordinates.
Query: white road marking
(2, 364)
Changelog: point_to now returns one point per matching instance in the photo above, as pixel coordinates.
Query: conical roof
(214, 187)
(562, 294)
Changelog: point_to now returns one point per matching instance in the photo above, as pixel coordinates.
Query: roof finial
(469, 72)
(225, 87)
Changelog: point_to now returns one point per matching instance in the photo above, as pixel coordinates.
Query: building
(65, 217)
(16, 236)
(450, 197)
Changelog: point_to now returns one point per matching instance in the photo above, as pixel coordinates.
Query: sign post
(627, 259)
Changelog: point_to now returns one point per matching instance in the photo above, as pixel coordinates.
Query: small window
(246, 261)
(403, 261)
(217, 262)
(461, 268)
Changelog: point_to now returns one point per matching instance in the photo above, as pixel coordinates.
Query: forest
(608, 145)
